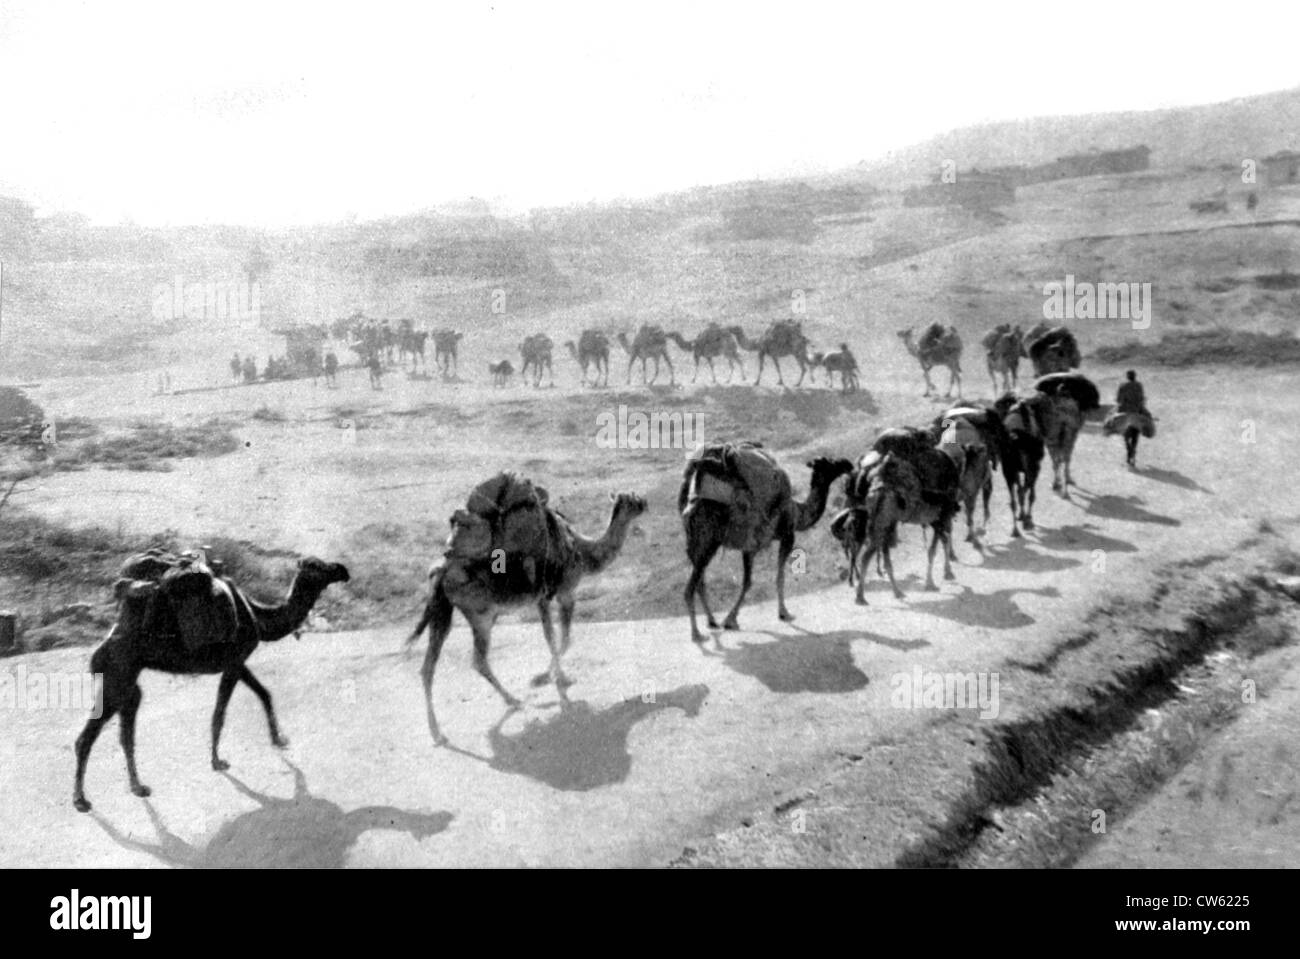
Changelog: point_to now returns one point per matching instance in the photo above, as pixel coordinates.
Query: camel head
(318, 574)
(826, 470)
(627, 506)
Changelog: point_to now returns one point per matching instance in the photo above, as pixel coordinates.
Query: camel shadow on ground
(1082, 538)
(581, 748)
(996, 610)
(802, 663)
(1017, 555)
(302, 831)
(1173, 478)
(1128, 509)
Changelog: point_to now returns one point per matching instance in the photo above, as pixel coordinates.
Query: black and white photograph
(566, 435)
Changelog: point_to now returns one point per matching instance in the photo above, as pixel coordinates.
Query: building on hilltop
(1281, 169)
(972, 189)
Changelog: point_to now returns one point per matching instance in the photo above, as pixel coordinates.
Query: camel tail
(437, 610)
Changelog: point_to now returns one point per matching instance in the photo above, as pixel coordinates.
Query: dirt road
(663, 744)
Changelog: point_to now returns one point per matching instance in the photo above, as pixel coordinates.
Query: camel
(782, 338)
(973, 437)
(1052, 349)
(536, 351)
(1022, 458)
(839, 361)
(481, 593)
(444, 351)
(592, 349)
(1004, 348)
(938, 347)
(1058, 407)
(412, 345)
(896, 493)
(711, 524)
(713, 342)
(650, 343)
(501, 372)
(140, 640)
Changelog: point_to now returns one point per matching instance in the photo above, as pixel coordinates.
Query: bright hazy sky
(276, 113)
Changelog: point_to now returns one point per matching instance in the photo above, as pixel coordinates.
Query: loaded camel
(782, 338)
(1022, 458)
(938, 347)
(975, 439)
(1058, 407)
(222, 629)
(1004, 346)
(650, 343)
(839, 361)
(904, 479)
(444, 352)
(716, 515)
(481, 593)
(536, 351)
(591, 350)
(412, 345)
(713, 342)
(1052, 349)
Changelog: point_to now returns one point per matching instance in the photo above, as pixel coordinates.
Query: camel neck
(596, 554)
(278, 622)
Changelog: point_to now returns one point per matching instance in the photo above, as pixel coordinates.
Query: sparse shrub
(1196, 347)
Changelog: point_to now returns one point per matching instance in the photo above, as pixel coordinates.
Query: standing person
(236, 367)
(1131, 399)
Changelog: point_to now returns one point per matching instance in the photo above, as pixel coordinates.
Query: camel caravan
(510, 547)
(379, 346)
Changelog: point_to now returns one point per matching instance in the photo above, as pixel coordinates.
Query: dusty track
(614, 779)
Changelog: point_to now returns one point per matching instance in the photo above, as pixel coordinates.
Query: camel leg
(482, 629)
(864, 561)
(694, 584)
(747, 578)
(566, 601)
(929, 560)
(1028, 495)
(556, 672)
(630, 361)
(889, 570)
(714, 373)
(224, 690)
(130, 706)
(944, 531)
(988, 495)
(803, 371)
(784, 550)
(109, 705)
(246, 676)
(776, 362)
(1012, 495)
(672, 375)
(758, 379)
(929, 386)
(696, 375)
(703, 593)
(437, 637)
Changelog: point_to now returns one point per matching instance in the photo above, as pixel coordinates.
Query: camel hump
(508, 512)
(932, 335)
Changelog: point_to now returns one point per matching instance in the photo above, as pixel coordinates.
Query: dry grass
(1199, 347)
